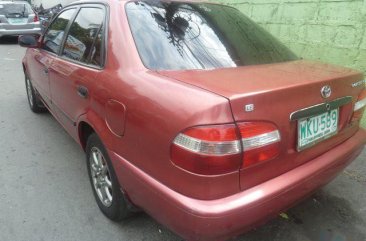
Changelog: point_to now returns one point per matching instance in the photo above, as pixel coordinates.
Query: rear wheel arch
(85, 131)
(90, 123)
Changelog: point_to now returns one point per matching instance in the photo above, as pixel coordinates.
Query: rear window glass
(15, 8)
(181, 35)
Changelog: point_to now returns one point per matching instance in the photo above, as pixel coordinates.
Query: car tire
(106, 188)
(35, 104)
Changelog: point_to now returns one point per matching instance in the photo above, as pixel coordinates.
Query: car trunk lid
(277, 92)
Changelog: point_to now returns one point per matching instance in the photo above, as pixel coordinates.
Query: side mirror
(28, 41)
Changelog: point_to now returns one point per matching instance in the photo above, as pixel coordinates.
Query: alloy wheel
(101, 177)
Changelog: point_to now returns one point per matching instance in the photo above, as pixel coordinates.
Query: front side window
(84, 40)
(53, 38)
(188, 35)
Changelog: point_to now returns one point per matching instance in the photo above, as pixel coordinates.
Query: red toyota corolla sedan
(192, 112)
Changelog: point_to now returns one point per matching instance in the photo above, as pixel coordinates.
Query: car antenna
(24, 10)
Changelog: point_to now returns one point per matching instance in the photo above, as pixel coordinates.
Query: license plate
(314, 129)
(17, 20)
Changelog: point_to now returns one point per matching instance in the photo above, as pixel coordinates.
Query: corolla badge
(326, 91)
(359, 83)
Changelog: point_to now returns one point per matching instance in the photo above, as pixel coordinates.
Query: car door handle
(82, 91)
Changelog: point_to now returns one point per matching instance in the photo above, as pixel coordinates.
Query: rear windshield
(15, 8)
(181, 35)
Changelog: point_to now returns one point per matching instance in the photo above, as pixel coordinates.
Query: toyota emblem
(326, 91)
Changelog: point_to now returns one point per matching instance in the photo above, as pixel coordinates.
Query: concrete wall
(329, 30)
(333, 31)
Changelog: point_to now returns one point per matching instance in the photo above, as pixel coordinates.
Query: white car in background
(18, 18)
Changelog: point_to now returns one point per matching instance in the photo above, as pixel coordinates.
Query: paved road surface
(45, 192)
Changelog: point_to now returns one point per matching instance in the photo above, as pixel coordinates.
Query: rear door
(42, 58)
(81, 58)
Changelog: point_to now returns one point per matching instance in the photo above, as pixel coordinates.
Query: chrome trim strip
(210, 148)
(261, 140)
(360, 104)
(320, 108)
(359, 83)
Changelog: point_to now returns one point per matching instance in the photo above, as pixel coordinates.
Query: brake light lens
(221, 149)
(359, 108)
(209, 150)
(36, 19)
(260, 141)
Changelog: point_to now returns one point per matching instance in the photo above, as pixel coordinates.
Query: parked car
(17, 18)
(192, 112)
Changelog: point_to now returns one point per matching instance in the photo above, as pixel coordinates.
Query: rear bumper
(223, 218)
(17, 32)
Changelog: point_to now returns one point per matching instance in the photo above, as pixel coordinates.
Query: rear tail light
(261, 142)
(36, 19)
(359, 108)
(220, 149)
(209, 150)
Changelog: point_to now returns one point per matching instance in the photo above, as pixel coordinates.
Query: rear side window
(23, 9)
(55, 34)
(84, 41)
(192, 35)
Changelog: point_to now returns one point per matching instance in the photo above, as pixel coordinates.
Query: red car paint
(138, 112)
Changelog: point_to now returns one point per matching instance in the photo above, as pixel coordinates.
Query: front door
(43, 57)
(38, 72)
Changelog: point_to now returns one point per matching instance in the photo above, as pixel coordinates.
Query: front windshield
(15, 8)
(181, 35)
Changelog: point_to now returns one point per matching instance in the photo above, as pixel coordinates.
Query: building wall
(333, 31)
(329, 30)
